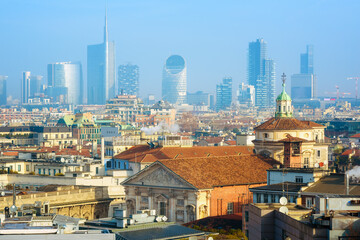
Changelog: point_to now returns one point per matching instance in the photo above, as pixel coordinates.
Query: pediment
(158, 176)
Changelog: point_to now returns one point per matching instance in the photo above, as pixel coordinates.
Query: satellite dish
(13, 208)
(317, 165)
(283, 201)
(284, 210)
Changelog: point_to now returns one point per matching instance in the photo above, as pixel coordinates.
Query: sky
(212, 36)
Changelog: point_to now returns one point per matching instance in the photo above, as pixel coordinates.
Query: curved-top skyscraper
(174, 80)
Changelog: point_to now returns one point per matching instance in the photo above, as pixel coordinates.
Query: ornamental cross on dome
(283, 77)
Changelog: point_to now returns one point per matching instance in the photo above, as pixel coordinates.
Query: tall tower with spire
(101, 70)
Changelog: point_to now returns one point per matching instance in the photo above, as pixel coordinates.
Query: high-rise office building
(128, 80)
(246, 94)
(174, 80)
(36, 84)
(261, 74)
(307, 61)
(199, 98)
(25, 87)
(101, 70)
(257, 54)
(224, 94)
(31, 86)
(3, 95)
(303, 85)
(65, 82)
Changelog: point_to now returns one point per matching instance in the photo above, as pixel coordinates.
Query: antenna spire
(106, 34)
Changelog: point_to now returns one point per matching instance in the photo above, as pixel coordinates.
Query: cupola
(283, 102)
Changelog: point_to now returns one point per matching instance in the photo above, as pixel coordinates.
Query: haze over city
(212, 36)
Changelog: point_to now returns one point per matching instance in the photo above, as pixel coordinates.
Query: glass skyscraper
(261, 74)
(65, 82)
(303, 85)
(174, 80)
(224, 94)
(31, 86)
(128, 80)
(101, 70)
(3, 95)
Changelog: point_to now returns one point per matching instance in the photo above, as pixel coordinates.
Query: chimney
(346, 180)
(326, 211)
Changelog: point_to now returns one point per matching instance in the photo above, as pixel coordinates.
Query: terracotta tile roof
(140, 153)
(214, 139)
(354, 151)
(290, 138)
(205, 173)
(10, 154)
(287, 124)
(313, 124)
(355, 136)
(231, 142)
(69, 151)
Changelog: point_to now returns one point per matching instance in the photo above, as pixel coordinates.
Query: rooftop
(142, 153)
(287, 124)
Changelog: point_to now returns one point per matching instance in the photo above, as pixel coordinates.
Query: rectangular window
(28, 168)
(19, 168)
(49, 171)
(56, 136)
(144, 200)
(299, 179)
(62, 135)
(273, 198)
(266, 198)
(309, 202)
(180, 202)
(246, 216)
(162, 206)
(258, 198)
(39, 170)
(318, 153)
(54, 172)
(230, 208)
(108, 164)
(97, 170)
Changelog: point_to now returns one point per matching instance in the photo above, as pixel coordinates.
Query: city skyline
(147, 44)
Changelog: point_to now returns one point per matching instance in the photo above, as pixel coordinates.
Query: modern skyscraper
(307, 61)
(257, 54)
(3, 95)
(199, 98)
(246, 94)
(31, 86)
(36, 83)
(174, 80)
(224, 94)
(65, 82)
(303, 85)
(128, 80)
(101, 70)
(261, 74)
(25, 87)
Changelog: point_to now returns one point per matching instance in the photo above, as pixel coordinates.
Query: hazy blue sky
(212, 36)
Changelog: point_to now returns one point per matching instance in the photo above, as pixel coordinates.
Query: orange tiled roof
(290, 138)
(231, 142)
(205, 173)
(140, 153)
(355, 136)
(287, 124)
(355, 151)
(10, 153)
